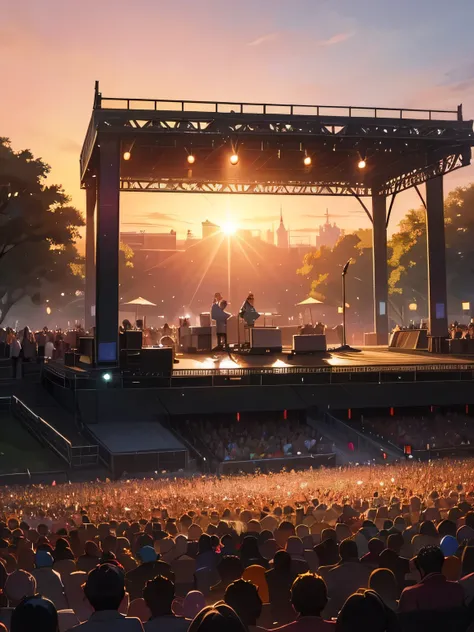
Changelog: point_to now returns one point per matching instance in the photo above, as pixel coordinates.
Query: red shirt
(434, 592)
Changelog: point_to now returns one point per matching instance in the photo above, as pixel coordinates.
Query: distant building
(328, 234)
(270, 236)
(209, 229)
(149, 241)
(191, 239)
(282, 233)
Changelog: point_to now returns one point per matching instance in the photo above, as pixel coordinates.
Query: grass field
(20, 451)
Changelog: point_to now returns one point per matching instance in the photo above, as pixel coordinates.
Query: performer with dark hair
(248, 312)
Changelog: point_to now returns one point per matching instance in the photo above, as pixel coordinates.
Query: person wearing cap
(105, 590)
(149, 568)
(49, 583)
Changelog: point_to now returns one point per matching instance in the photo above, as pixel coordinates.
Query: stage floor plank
(367, 357)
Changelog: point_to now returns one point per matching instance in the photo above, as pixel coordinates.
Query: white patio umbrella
(139, 302)
(310, 302)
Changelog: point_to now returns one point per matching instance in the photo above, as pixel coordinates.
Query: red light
(285, 414)
(384, 456)
(392, 412)
(467, 409)
(407, 449)
(349, 413)
(238, 416)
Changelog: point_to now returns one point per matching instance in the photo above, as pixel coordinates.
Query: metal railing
(360, 440)
(234, 107)
(260, 376)
(45, 433)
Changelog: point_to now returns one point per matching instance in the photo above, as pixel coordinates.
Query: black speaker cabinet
(86, 347)
(157, 361)
(131, 339)
(130, 359)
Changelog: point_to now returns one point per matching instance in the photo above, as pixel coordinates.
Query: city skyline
(321, 52)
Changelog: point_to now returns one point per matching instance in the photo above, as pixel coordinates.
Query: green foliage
(407, 264)
(38, 231)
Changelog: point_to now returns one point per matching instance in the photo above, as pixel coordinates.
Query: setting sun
(229, 228)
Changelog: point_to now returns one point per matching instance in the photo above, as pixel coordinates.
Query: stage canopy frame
(158, 145)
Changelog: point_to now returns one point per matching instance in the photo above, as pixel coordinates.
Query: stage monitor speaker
(308, 343)
(265, 338)
(157, 361)
(412, 339)
(86, 346)
(131, 339)
(71, 358)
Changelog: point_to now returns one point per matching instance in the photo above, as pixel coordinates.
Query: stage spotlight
(362, 164)
(191, 159)
(127, 155)
(234, 159)
(106, 377)
(307, 161)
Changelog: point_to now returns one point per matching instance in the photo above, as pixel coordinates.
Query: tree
(38, 231)
(323, 269)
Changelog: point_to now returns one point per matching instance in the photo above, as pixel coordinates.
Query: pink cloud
(263, 39)
(336, 39)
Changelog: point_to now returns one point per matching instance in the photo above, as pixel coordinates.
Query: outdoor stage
(368, 359)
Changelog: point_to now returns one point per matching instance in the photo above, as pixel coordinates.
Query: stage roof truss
(402, 148)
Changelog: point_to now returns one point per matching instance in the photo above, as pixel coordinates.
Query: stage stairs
(350, 445)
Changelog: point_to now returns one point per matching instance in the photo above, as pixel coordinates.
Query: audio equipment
(265, 340)
(86, 346)
(131, 339)
(309, 343)
(159, 361)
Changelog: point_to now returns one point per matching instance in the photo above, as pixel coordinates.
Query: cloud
(69, 145)
(459, 75)
(270, 37)
(336, 39)
(162, 217)
(459, 79)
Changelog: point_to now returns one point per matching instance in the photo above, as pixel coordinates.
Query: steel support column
(379, 263)
(437, 294)
(107, 252)
(89, 296)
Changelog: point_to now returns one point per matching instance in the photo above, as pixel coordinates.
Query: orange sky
(307, 51)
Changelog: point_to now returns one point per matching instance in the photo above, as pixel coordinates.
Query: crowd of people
(36, 346)
(422, 432)
(253, 439)
(369, 549)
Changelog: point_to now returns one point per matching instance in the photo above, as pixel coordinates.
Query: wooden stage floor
(367, 357)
